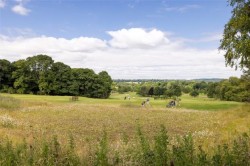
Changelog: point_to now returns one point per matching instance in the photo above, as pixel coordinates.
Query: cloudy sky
(131, 39)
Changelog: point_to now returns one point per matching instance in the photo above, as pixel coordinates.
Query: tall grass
(160, 152)
(9, 103)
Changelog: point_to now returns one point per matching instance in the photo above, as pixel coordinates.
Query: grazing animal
(171, 104)
(143, 103)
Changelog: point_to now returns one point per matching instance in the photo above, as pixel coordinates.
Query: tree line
(232, 89)
(41, 75)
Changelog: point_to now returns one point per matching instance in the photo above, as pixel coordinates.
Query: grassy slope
(45, 116)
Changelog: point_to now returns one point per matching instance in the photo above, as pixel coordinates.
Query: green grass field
(32, 117)
(187, 102)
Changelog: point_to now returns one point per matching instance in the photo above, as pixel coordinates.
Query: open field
(87, 117)
(38, 117)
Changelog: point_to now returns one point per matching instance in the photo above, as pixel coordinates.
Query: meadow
(34, 118)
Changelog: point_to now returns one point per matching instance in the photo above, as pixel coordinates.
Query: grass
(207, 104)
(159, 151)
(9, 103)
(187, 102)
(210, 122)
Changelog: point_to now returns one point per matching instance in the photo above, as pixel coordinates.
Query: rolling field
(207, 119)
(210, 121)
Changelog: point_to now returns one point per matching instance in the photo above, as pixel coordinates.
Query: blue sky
(129, 39)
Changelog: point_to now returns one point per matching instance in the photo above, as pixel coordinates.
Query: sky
(130, 39)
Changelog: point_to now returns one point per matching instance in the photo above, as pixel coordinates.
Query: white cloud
(2, 3)
(212, 37)
(130, 54)
(20, 9)
(182, 8)
(137, 38)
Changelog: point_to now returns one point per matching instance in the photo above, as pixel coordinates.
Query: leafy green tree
(106, 82)
(212, 90)
(23, 80)
(59, 79)
(6, 69)
(194, 93)
(159, 90)
(39, 67)
(200, 86)
(81, 81)
(143, 90)
(186, 89)
(233, 89)
(151, 91)
(173, 90)
(123, 88)
(236, 37)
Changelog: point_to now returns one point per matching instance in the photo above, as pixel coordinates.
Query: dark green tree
(81, 81)
(123, 88)
(159, 90)
(173, 90)
(194, 93)
(23, 80)
(6, 69)
(39, 67)
(106, 82)
(151, 91)
(143, 90)
(59, 79)
(212, 90)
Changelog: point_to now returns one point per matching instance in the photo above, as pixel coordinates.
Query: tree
(81, 81)
(106, 81)
(151, 91)
(236, 37)
(212, 90)
(143, 91)
(6, 69)
(124, 87)
(159, 90)
(23, 81)
(173, 90)
(39, 67)
(59, 79)
(200, 86)
(194, 93)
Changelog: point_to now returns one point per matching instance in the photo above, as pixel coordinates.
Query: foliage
(173, 90)
(236, 37)
(40, 75)
(232, 89)
(5, 75)
(123, 88)
(194, 93)
(101, 157)
(183, 152)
